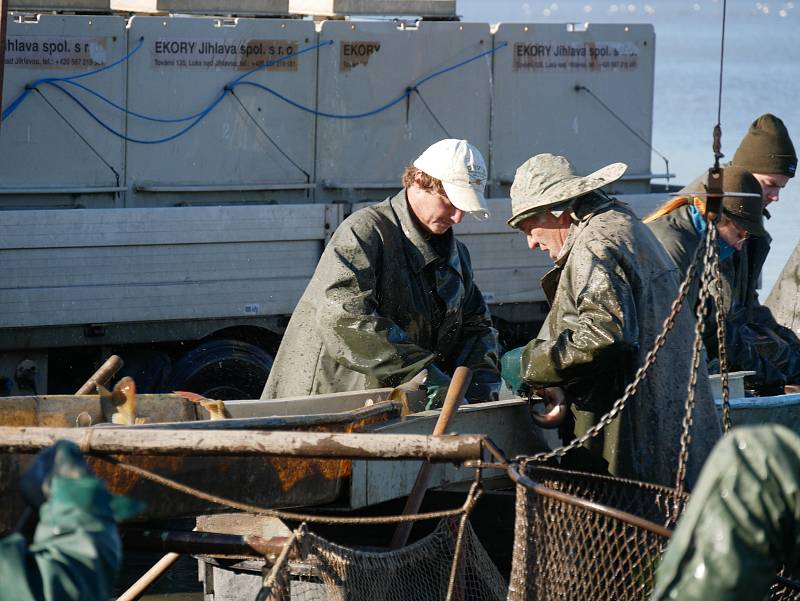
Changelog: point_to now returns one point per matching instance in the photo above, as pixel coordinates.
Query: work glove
(436, 384)
(511, 371)
(62, 459)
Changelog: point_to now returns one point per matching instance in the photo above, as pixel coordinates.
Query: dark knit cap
(745, 211)
(767, 148)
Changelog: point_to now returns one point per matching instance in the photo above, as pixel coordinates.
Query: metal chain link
(701, 312)
(722, 343)
(640, 375)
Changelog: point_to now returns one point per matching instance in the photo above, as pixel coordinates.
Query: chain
(706, 279)
(722, 349)
(640, 375)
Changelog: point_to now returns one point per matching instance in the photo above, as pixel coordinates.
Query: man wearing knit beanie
(767, 152)
(755, 340)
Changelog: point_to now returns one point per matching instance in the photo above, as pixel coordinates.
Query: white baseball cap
(462, 171)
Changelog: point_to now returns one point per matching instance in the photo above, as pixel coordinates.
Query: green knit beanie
(767, 148)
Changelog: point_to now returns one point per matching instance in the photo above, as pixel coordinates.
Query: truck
(170, 176)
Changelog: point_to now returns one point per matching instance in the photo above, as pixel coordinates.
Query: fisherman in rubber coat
(394, 293)
(609, 293)
(680, 223)
(742, 522)
(75, 550)
(756, 341)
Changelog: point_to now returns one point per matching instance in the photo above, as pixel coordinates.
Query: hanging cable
(580, 88)
(432, 114)
(717, 141)
(82, 138)
(268, 137)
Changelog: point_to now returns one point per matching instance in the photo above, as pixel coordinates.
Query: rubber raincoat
(742, 522)
(384, 304)
(76, 549)
(748, 341)
(755, 340)
(610, 291)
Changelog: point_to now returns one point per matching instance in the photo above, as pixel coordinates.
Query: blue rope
(200, 116)
(239, 81)
(33, 85)
(201, 113)
(408, 91)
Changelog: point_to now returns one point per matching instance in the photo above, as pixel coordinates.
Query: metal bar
(157, 188)
(617, 514)
(626, 177)
(65, 190)
(321, 445)
(334, 185)
(3, 30)
(273, 422)
(200, 543)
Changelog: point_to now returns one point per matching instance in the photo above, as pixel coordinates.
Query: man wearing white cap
(610, 290)
(394, 294)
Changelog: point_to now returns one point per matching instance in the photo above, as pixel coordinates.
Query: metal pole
(3, 22)
(131, 441)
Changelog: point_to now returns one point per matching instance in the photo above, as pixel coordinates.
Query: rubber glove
(511, 371)
(436, 384)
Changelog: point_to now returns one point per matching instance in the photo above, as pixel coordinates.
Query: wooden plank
(97, 304)
(167, 225)
(162, 264)
(113, 441)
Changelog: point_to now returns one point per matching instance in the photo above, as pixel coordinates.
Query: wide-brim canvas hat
(741, 198)
(461, 169)
(547, 182)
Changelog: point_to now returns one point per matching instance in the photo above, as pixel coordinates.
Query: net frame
(591, 536)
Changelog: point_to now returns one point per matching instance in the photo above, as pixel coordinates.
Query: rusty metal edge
(617, 514)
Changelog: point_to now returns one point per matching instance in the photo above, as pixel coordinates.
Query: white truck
(168, 182)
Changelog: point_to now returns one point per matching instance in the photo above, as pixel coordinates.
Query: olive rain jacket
(742, 522)
(381, 306)
(747, 320)
(755, 340)
(610, 291)
(680, 239)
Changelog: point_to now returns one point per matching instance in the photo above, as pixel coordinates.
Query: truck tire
(223, 369)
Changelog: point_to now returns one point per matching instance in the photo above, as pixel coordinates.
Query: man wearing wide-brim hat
(394, 292)
(610, 290)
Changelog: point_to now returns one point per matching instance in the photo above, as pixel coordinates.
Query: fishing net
(568, 547)
(323, 570)
(586, 536)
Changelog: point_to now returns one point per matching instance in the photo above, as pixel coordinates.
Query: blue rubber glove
(511, 371)
(436, 384)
